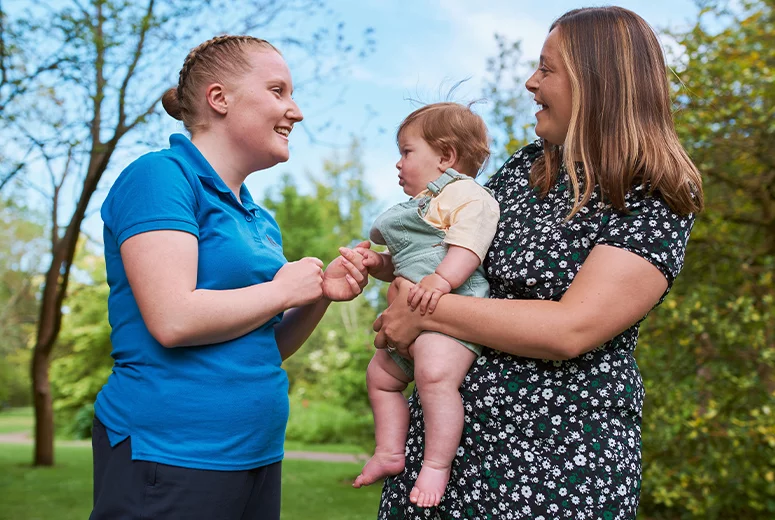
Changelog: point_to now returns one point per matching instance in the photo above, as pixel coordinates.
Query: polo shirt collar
(247, 198)
(182, 145)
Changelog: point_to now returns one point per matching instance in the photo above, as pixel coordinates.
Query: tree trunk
(44, 410)
(49, 322)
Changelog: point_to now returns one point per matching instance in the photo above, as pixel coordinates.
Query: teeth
(283, 131)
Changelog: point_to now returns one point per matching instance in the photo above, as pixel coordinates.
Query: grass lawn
(310, 489)
(14, 420)
(352, 449)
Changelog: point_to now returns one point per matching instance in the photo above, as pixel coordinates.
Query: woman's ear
(448, 159)
(216, 98)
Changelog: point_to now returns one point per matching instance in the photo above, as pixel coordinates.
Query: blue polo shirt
(222, 406)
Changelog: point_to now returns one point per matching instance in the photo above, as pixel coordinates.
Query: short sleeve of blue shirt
(152, 194)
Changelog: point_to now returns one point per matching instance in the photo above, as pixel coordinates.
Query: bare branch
(99, 72)
(139, 119)
(146, 22)
(3, 70)
(10, 175)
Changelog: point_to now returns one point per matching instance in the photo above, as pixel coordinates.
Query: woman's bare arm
(613, 290)
(161, 267)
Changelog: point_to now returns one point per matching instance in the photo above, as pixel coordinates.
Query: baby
(437, 240)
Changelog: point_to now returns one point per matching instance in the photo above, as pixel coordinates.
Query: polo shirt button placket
(256, 237)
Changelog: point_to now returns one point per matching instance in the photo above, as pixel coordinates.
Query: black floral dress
(549, 439)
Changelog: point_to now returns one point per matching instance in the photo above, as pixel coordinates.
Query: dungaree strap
(447, 177)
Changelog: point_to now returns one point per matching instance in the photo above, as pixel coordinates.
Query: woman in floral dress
(595, 217)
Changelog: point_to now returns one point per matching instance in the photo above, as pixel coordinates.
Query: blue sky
(423, 47)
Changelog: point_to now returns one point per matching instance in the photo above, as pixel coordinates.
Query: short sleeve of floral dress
(549, 439)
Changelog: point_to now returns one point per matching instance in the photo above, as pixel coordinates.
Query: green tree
(102, 87)
(511, 103)
(82, 363)
(331, 367)
(333, 215)
(708, 354)
(21, 245)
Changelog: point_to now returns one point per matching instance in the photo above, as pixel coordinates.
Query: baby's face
(419, 164)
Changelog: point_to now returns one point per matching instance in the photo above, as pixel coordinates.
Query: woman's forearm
(529, 328)
(297, 325)
(204, 317)
(612, 291)
(161, 268)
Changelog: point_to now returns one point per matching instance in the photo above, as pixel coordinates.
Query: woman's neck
(222, 158)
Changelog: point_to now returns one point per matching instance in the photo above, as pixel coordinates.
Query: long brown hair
(212, 61)
(621, 126)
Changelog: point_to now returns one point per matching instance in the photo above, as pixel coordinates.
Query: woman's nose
(532, 83)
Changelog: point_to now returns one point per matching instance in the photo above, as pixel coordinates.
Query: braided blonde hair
(212, 61)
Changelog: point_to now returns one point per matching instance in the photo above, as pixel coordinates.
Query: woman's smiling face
(264, 111)
(550, 84)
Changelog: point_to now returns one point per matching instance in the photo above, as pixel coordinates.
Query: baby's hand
(427, 293)
(372, 261)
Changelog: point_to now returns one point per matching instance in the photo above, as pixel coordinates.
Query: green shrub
(317, 422)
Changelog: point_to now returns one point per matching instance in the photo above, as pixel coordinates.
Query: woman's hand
(346, 276)
(302, 281)
(398, 326)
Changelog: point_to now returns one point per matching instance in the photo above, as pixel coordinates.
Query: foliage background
(707, 354)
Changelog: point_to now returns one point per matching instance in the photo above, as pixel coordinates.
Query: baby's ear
(448, 158)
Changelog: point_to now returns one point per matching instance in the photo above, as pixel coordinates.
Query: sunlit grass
(14, 420)
(310, 489)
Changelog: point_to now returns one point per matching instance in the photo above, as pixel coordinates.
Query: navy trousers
(126, 489)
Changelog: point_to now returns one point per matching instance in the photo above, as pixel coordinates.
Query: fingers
(377, 326)
(415, 297)
(411, 294)
(434, 301)
(350, 255)
(355, 286)
(311, 259)
(364, 245)
(380, 340)
(353, 263)
(426, 298)
(368, 257)
(368, 260)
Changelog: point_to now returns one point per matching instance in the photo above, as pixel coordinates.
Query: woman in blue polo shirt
(203, 305)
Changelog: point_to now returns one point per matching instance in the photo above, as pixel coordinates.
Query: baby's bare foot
(379, 466)
(430, 485)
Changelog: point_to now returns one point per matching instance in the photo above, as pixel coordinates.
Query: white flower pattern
(549, 439)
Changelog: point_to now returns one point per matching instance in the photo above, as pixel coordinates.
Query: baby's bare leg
(440, 365)
(385, 382)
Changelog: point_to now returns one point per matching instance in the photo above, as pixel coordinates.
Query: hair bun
(171, 103)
